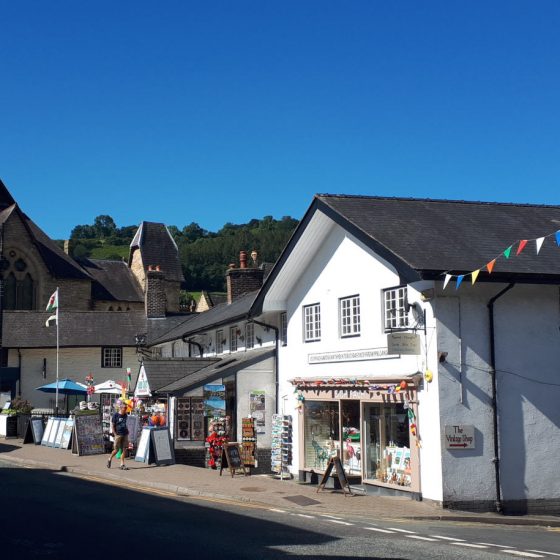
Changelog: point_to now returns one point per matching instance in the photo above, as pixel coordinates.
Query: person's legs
(124, 443)
(117, 445)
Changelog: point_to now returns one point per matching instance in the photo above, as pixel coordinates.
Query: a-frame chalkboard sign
(231, 458)
(337, 464)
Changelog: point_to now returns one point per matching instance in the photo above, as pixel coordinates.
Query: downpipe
(276, 373)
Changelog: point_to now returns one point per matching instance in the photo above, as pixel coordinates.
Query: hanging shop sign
(403, 343)
(142, 385)
(459, 436)
(351, 356)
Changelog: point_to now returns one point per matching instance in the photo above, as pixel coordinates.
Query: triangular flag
(446, 281)
(459, 280)
(490, 266)
(522, 244)
(558, 237)
(507, 252)
(539, 243)
(474, 275)
(51, 318)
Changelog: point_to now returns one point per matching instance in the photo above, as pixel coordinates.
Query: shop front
(372, 426)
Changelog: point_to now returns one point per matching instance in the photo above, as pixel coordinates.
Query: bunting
(507, 253)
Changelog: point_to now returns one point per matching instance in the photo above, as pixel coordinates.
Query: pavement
(264, 490)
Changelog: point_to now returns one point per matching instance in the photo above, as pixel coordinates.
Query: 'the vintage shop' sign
(350, 356)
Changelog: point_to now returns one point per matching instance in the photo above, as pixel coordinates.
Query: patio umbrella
(65, 387)
(108, 387)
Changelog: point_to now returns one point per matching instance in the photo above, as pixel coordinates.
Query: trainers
(124, 468)
(109, 464)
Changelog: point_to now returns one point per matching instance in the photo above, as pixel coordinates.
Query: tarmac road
(48, 514)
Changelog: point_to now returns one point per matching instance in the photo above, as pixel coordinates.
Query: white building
(462, 409)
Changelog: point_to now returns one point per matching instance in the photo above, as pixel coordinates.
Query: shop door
(351, 443)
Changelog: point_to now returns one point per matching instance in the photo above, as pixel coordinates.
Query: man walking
(120, 433)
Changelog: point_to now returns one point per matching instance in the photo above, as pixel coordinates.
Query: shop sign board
(231, 458)
(88, 435)
(143, 449)
(350, 356)
(163, 450)
(214, 401)
(459, 436)
(142, 385)
(403, 343)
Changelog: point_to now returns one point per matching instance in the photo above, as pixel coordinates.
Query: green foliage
(204, 255)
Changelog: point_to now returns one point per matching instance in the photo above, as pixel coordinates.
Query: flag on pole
(53, 306)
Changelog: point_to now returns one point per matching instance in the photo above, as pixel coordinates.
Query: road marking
(303, 515)
(468, 544)
(420, 538)
(543, 552)
(524, 554)
(330, 516)
(339, 522)
(447, 538)
(379, 530)
(492, 544)
(277, 510)
(402, 531)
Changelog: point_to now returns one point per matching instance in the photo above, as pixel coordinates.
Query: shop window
(321, 433)
(395, 308)
(312, 322)
(111, 357)
(349, 316)
(351, 437)
(233, 333)
(284, 329)
(250, 335)
(219, 342)
(387, 444)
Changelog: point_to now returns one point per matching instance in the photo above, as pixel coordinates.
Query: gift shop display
(217, 437)
(248, 442)
(190, 419)
(281, 444)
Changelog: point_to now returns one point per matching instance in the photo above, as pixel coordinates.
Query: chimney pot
(243, 259)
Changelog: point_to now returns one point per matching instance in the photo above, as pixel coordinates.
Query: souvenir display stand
(217, 438)
(281, 445)
(248, 442)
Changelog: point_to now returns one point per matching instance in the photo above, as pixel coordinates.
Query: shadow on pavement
(6, 448)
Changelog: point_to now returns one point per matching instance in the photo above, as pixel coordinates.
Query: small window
(111, 357)
(395, 308)
(312, 322)
(250, 335)
(350, 316)
(233, 333)
(220, 342)
(284, 329)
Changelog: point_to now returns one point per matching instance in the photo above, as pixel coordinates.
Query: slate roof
(112, 281)
(219, 315)
(158, 247)
(26, 329)
(436, 236)
(163, 372)
(226, 366)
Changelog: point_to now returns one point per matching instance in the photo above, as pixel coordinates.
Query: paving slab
(263, 490)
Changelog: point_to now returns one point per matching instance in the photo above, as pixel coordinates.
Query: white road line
(339, 522)
(524, 554)
(402, 531)
(278, 510)
(379, 530)
(492, 544)
(420, 538)
(468, 544)
(303, 515)
(447, 538)
(543, 552)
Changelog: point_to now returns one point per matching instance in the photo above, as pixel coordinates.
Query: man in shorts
(120, 433)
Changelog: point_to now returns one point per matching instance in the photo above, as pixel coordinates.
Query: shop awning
(389, 384)
(225, 367)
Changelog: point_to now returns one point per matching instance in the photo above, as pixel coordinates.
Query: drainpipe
(495, 425)
(276, 377)
(193, 343)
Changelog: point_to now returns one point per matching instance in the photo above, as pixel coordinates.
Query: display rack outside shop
(281, 445)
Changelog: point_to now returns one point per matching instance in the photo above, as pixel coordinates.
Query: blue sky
(224, 111)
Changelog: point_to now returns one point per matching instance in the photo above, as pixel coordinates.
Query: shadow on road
(44, 514)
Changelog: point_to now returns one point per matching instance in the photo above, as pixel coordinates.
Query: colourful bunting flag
(474, 275)
(490, 266)
(539, 243)
(507, 252)
(522, 244)
(446, 281)
(459, 280)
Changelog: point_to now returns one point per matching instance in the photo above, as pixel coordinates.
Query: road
(44, 514)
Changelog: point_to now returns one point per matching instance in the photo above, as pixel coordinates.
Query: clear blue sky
(223, 111)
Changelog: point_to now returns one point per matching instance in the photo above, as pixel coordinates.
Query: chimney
(242, 280)
(68, 246)
(155, 299)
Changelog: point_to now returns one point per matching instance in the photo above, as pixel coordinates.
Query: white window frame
(219, 342)
(349, 316)
(249, 335)
(111, 357)
(311, 322)
(395, 308)
(233, 339)
(284, 328)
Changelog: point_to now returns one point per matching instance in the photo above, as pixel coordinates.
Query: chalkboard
(59, 433)
(67, 434)
(11, 427)
(231, 457)
(163, 449)
(143, 449)
(28, 432)
(88, 435)
(337, 464)
(47, 431)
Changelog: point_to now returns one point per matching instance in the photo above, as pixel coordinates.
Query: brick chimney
(244, 279)
(155, 299)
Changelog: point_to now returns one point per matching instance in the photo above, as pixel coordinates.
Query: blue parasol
(65, 387)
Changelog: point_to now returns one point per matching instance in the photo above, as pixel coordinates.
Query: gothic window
(18, 285)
